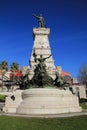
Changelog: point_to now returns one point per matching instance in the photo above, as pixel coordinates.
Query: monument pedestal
(42, 47)
(12, 102)
(48, 101)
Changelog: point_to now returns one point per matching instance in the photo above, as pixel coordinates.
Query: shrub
(2, 98)
(82, 100)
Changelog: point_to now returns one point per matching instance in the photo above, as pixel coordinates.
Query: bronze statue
(41, 77)
(41, 59)
(40, 20)
(58, 81)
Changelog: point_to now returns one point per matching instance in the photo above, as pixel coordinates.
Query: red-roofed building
(63, 73)
(17, 74)
(66, 77)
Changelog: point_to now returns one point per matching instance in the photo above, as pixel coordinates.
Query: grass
(22, 123)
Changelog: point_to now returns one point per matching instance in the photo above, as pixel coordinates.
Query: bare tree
(83, 75)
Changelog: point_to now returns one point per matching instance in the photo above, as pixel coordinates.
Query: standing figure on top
(40, 20)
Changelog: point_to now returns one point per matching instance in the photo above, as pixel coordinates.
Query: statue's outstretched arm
(48, 57)
(35, 16)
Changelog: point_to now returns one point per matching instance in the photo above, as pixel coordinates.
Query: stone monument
(45, 100)
(42, 47)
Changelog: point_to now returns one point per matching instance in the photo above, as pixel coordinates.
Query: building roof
(63, 73)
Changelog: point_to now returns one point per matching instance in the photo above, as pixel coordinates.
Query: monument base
(12, 102)
(48, 101)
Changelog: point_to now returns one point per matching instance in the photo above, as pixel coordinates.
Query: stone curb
(46, 115)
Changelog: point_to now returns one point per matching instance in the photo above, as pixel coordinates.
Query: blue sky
(67, 20)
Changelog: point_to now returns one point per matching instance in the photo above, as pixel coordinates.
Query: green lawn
(20, 123)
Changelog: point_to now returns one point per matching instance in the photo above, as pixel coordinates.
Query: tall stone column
(42, 47)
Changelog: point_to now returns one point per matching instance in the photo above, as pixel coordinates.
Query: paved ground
(84, 112)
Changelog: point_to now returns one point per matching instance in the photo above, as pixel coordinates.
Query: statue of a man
(41, 59)
(40, 20)
(41, 63)
(58, 81)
